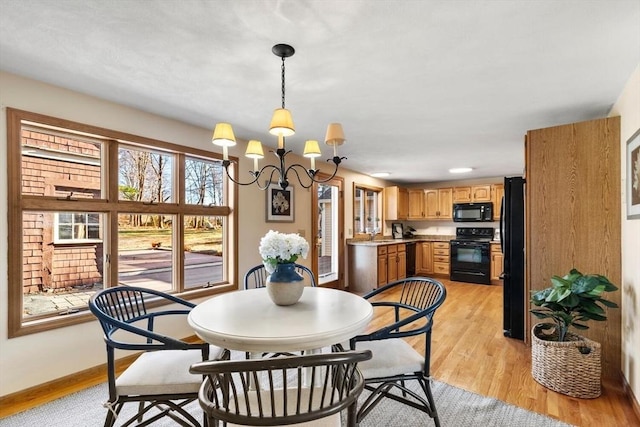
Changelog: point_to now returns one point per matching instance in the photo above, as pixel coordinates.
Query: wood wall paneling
(573, 215)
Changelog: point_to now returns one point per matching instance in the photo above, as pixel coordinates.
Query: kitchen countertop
(391, 241)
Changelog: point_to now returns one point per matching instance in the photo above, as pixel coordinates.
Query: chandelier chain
(283, 82)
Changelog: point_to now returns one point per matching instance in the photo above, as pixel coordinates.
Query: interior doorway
(327, 250)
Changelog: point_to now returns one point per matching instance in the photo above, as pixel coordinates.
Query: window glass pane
(145, 253)
(58, 164)
(203, 257)
(57, 278)
(203, 182)
(145, 176)
(367, 204)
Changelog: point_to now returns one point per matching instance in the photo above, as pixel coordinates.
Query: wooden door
(382, 270)
(497, 193)
(573, 216)
(431, 204)
(481, 193)
(427, 258)
(402, 261)
(445, 203)
(416, 204)
(462, 195)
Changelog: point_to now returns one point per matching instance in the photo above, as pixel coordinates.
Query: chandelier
(281, 126)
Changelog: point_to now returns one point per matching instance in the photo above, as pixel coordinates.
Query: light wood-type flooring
(469, 351)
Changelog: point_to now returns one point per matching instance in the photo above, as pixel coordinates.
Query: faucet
(373, 231)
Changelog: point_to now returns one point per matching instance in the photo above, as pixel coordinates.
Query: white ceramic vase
(285, 286)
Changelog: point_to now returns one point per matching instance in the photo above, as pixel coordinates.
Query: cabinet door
(382, 270)
(416, 204)
(497, 192)
(427, 258)
(496, 265)
(431, 204)
(481, 193)
(396, 202)
(402, 264)
(403, 203)
(445, 203)
(461, 194)
(392, 263)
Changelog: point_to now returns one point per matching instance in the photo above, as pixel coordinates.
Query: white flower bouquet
(279, 248)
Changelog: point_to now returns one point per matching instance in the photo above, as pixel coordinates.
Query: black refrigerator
(512, 243)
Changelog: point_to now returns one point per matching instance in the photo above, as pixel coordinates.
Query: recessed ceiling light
(380, 174)
(460, 170)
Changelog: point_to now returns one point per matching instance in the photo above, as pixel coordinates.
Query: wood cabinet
(396, 203)
(496, 261)
(481, 193)
(441, 258)
(433, 258)
(573, 219)
(461, 194)
(424, 258)
(416, 204)
(438, 203)
(372, 266)
(497, 192)
(472, 194)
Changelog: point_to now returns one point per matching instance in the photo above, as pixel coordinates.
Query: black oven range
(471, 255)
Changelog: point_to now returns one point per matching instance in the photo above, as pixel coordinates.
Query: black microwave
(472, 212)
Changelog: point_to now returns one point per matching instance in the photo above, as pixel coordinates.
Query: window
(93, 208)
(367, 209)
(77, 226)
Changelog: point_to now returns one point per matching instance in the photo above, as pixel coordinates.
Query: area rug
(457, 408)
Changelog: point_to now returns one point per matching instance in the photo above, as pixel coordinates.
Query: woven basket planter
(570, 367)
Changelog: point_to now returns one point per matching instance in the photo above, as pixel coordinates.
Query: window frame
(110, 205)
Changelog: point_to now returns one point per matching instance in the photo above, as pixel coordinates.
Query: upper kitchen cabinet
(497, 193)
(416, 204)
(438, 203)
(472, 194)
(396, 203)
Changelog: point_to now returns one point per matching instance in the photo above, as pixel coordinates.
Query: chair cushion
(164, 371)
(330, 421)
(390, 357)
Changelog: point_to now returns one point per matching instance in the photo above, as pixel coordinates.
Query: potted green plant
(561, 360)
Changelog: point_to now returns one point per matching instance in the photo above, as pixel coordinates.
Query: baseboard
(632, 398)
(38, 395)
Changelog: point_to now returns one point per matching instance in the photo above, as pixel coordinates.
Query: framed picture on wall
(280, 203)
(633, 176)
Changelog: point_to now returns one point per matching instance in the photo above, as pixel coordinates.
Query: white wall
(37, 358)
(628, 108)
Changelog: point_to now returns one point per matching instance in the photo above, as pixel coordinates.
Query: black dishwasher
(411, 259)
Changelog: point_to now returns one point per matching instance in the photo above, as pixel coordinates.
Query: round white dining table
(249, 321)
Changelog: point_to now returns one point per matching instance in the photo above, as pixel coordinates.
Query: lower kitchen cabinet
(432, 258)
(372, 266)
(496, 261)
(441, 258)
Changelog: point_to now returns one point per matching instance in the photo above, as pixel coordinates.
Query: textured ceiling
(419, 86)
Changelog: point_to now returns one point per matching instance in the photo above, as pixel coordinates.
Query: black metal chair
(159, 378)
(282, 390)
(257, 276)
(413, 302)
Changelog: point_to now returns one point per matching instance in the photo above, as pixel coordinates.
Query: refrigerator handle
(501, 226)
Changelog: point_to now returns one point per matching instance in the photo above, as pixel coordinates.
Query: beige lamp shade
(282, 123)
(311, 149)
(335, 134)
(254, 150)
(223, 135)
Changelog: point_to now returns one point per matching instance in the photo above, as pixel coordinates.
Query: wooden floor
(469, 351)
